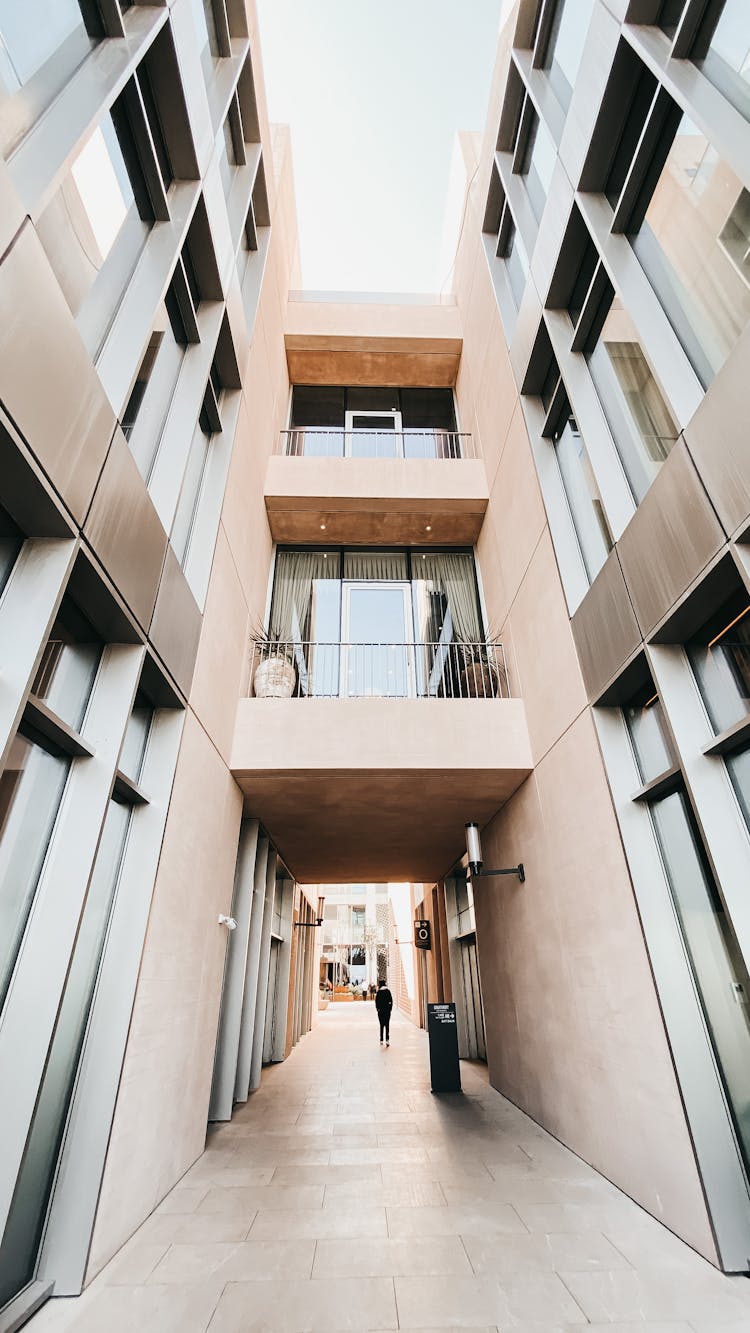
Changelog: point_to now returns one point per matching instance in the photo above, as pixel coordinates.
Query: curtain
(294, 578)
(378, 565)
(452, 575)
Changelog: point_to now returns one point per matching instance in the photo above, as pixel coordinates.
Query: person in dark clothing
(384, 1004)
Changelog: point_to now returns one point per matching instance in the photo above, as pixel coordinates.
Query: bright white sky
(374, 91)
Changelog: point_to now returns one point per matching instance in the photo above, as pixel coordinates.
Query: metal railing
(322, 442)
(304, 670)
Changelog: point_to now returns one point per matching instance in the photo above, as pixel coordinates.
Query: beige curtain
(294, 578)
(452, 574)
(381, 566)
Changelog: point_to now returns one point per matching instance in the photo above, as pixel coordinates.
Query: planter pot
(480, 681)
(322, 1001)
(274, 679)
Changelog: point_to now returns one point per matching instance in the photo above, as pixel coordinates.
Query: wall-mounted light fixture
(308, 925)
(474, 853)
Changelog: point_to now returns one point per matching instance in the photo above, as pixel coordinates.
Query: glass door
(374, 435)
(376, 648)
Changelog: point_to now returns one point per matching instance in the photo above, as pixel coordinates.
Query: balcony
(364, 760)
(374, 486)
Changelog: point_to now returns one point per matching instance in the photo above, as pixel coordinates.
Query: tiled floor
(345, 1196)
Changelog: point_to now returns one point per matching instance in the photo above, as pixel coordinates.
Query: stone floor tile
(390, 1257)
(460, 1302)
(195, 1228)
(657, 1295)
(248, 1261)
(506, 1256)
(410, 1193)
(482, 1218)
(134, 1263)
(240, 1200)
(356, 1304)
(183, 1199)
(318, 1223)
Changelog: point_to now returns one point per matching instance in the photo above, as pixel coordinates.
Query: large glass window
(378, 622)
(23, 1231)
(11, 541)
(31, 788)
(648, 732)
(41, 46)
(717, 963)
(151, 396)
(727, 61)
(565, 47)
(517, 265)
(66, 673)
(694, 244)
(373, 423)
(639, 418)
(584, 498)
(720, 658)
(205, 29)
(538, 165)
(92, 230)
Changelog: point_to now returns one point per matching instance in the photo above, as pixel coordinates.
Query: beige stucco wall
(574, 1031)
(162, 1108)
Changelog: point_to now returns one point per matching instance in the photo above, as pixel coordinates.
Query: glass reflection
(31, 788)
(565, 49)
(24, 1228)
(584, 498)
(641, 423)
(717, 964)
(727, 61)
(539, 165)
(694, 244)
(720, 658)
(648, 732)
(65, 676)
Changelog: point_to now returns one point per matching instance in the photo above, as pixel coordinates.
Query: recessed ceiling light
(428, 527)
(322, 527)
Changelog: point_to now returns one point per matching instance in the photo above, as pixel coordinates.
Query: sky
(374, 91)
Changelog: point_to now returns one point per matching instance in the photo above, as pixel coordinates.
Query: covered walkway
(345, 1196)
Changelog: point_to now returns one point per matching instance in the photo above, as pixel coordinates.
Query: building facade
(292, 588)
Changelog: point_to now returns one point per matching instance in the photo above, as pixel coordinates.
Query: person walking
(384, 1005)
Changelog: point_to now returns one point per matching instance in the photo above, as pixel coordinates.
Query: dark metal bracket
(482, 874)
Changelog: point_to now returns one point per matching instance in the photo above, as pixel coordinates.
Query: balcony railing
(306, 670)
(322, 442)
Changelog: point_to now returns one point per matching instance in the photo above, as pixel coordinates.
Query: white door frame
(350, 585)
(350, 429)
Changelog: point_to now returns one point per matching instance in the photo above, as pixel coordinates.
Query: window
(31, 788)
(373, 423)
(720, 658)
(718, 968)
(723, 53)
(11, 541)
(41, 46)
(65, 676)
(565, 46)
(190, 493)
(693, 244)
(538, 164)
(150, 398)
(93, 230)
(208, 41)
(23, 1232)
(584, 498)
(670, 13)
(517, 265)
(639, 418)
(386, 622)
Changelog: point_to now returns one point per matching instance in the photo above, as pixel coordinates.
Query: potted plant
(274, 674)
(482, 673)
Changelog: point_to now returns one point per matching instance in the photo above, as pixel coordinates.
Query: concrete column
(261, 1000)
(250, 993)
(228, 1042)
(284, 968)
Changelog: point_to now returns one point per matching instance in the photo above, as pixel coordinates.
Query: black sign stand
(445, 1073)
